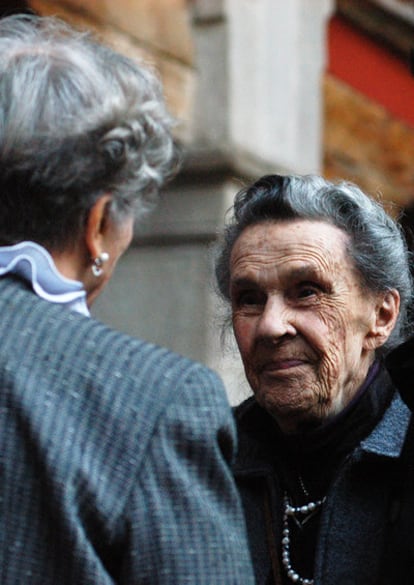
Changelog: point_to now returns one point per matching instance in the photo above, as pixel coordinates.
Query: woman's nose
(276, 320)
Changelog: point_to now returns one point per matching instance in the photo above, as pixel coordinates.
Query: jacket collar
(400, 364)
(387, 438)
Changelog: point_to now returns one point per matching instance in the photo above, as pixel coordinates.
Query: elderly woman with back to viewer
(115, 454)
(317, 277)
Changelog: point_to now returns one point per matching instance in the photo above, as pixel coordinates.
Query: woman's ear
(386, 315)
(96, 226)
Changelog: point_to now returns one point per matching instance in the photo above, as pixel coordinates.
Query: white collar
(33, 263)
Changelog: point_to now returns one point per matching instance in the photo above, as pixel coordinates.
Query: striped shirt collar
(35, 265)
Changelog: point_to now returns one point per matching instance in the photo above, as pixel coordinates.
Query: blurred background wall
(257, 86)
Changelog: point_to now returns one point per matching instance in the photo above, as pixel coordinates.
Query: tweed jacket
(114, 457)
(357, 519)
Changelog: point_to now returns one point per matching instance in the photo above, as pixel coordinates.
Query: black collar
(400, 364)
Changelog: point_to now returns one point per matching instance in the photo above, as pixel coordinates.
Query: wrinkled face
(304, 327)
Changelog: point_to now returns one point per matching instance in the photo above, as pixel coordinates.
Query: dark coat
(114, 457)
(364, 510)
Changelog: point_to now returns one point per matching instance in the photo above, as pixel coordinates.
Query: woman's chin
(292, 410)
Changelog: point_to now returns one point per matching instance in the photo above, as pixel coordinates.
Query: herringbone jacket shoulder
(114, 457)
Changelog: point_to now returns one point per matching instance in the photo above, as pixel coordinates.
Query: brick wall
(369, 115)
(365, 144)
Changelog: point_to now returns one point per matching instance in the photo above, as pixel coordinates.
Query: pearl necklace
(306, 511)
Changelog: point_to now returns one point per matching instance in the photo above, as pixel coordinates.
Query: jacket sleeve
(184, 516)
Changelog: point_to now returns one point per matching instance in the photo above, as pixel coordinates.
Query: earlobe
(386, 315)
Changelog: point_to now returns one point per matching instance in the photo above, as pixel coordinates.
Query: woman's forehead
(298, 237)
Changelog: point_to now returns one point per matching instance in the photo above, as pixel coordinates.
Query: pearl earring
(98, 263)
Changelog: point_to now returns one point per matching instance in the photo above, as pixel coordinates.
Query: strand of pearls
(292, 511)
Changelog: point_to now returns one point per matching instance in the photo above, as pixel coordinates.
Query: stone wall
(368, 95)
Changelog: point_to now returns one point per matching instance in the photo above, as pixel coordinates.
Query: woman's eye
(308, 290)
(249, 299)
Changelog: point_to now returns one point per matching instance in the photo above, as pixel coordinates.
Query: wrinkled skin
(306, 330)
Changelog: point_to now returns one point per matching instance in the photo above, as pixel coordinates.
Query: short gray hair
(77, 120)
(376, 243)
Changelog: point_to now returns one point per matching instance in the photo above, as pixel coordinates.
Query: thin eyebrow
(310, 274)
(243, 282)
(301, 273)
(304, 273)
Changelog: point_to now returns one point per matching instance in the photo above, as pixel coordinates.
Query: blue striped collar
(35, 265)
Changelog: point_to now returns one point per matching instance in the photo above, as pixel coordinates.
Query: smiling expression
(305, 328)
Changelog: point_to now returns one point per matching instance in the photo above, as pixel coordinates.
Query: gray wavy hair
(377, 246)
(77, 120)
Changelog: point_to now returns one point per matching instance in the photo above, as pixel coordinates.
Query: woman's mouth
(281, 364)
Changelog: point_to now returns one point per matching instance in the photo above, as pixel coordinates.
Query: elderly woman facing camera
(318, 281)
(114, 454)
